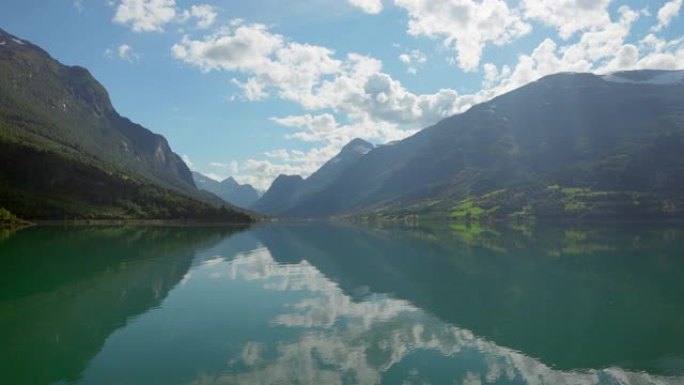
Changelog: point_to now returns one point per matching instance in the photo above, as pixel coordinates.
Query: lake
(324, 303)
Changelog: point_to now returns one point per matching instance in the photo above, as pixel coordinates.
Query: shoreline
(140, 222)
(384, 221)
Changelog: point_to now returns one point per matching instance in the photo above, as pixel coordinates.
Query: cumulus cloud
(413, 60)
(145, 15)
(667, 13)
(595, 51)
(465, 26)
(368, 6)
(204, 14)
(325, 128)
(598, 50)
(374, 105)
(312, 76)
(568, 16)
(269, 60)
(349, 96)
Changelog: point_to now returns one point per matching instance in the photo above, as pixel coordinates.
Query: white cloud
(205, 15)
(312, 76)
(413, 60)
(325, 128)
(667, 13)
(374, 105)
(145, 15)
(368, 6)
(349, 96)
(493, 75)
(246, 49)
(465, 26)
(252, 89)
(568, 16)
(260, 173)
(187, 161)
(598, 50)
(124, 52)
(322, 129)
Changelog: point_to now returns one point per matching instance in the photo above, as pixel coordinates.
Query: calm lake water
(317, 303)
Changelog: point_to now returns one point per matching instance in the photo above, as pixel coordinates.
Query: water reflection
(328, 304)
(609, 304)
(64, 291)
(379, 340)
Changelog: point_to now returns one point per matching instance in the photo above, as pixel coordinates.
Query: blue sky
(257, 88)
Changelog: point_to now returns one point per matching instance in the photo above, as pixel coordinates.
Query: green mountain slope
(568, 145)
(241, 195)
(66, 152)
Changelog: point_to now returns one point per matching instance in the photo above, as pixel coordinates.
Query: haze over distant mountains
(565, 146)
(66, 153)
(229, 190)
(292, 194)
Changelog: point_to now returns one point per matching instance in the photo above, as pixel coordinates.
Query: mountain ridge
(565, 146)
(228, 189)
(288, 198)
(69, 154)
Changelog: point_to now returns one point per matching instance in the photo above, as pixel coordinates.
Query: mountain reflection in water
(335, 304)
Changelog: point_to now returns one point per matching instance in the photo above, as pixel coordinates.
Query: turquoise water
(318, 303)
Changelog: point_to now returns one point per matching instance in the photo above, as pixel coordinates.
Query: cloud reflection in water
(379, 339)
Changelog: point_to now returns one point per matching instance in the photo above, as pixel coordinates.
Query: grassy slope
(549, 202)
(564, 147)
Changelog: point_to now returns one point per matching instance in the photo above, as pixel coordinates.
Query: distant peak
(230, 181)
(283, 177)
(357, 145)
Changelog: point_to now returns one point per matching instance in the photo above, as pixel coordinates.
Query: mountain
(281, 190)
(67, 153)
(566, 146)
(229, 190)
(296, 198)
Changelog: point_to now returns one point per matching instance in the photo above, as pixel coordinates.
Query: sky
(254, 89)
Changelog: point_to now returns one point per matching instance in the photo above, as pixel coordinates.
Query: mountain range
(292, 194)
(571, 145)
(67, 153)
(240, 195)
